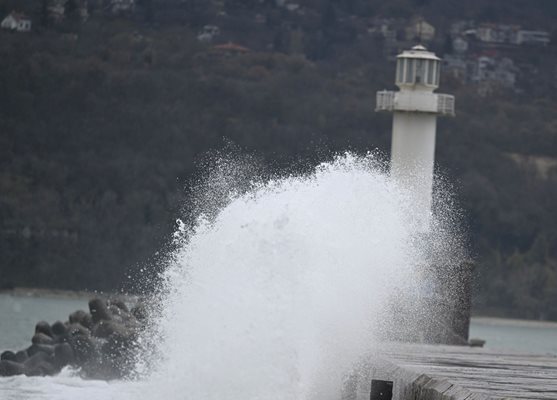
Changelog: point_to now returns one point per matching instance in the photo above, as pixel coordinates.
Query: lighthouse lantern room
(417, 67)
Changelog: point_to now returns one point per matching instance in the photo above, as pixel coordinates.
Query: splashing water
(277, 295)
(281, 289)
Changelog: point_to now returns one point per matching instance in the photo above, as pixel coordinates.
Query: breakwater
(100, 342)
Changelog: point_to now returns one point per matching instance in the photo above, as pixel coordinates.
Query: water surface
(516, 335)
(21, 313)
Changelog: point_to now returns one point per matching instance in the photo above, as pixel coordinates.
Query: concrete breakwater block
(102, 343)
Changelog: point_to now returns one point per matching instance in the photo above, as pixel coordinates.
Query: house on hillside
(122, 6)
(420, 29)
(208, 33)
(533, 37)
(16, 22)
(457, 67)
(497, 33)
(460, 45)
(57, 10)
(457, 28)
(292, 7)
(501, 72)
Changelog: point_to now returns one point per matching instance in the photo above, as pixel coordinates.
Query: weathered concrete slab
(435, 372)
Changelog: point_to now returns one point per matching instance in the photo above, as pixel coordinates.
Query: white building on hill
(122, 6)
(502, 72)
(16, 22)
(533, 37)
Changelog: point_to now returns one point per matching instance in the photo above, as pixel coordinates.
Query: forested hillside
(102, 122)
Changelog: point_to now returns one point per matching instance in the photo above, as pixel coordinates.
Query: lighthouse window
(420, 71)
(409, 71)
(400, 70)
(437, 68)
(435, 77)
(430, 67)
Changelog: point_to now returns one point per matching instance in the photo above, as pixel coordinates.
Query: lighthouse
(415, 107)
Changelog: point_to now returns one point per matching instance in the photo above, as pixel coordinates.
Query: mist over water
(281, 290)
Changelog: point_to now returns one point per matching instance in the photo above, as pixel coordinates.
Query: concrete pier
(437, 372)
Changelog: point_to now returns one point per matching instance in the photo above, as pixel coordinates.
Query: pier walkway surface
(437, 372)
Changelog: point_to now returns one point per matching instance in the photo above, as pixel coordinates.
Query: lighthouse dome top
(418, 69)
(419, 52)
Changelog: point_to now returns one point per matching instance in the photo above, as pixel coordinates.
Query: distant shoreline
(499, 321)
(59, 293)
(85, 295)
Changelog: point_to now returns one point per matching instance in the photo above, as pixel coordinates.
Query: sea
(19, 314)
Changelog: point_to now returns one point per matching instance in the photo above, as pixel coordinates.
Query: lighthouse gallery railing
(443, 104)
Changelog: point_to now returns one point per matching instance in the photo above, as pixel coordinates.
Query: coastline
(500, 321)
(86, 295)
(62, 293)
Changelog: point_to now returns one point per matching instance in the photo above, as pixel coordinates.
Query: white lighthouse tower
(415, 109)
